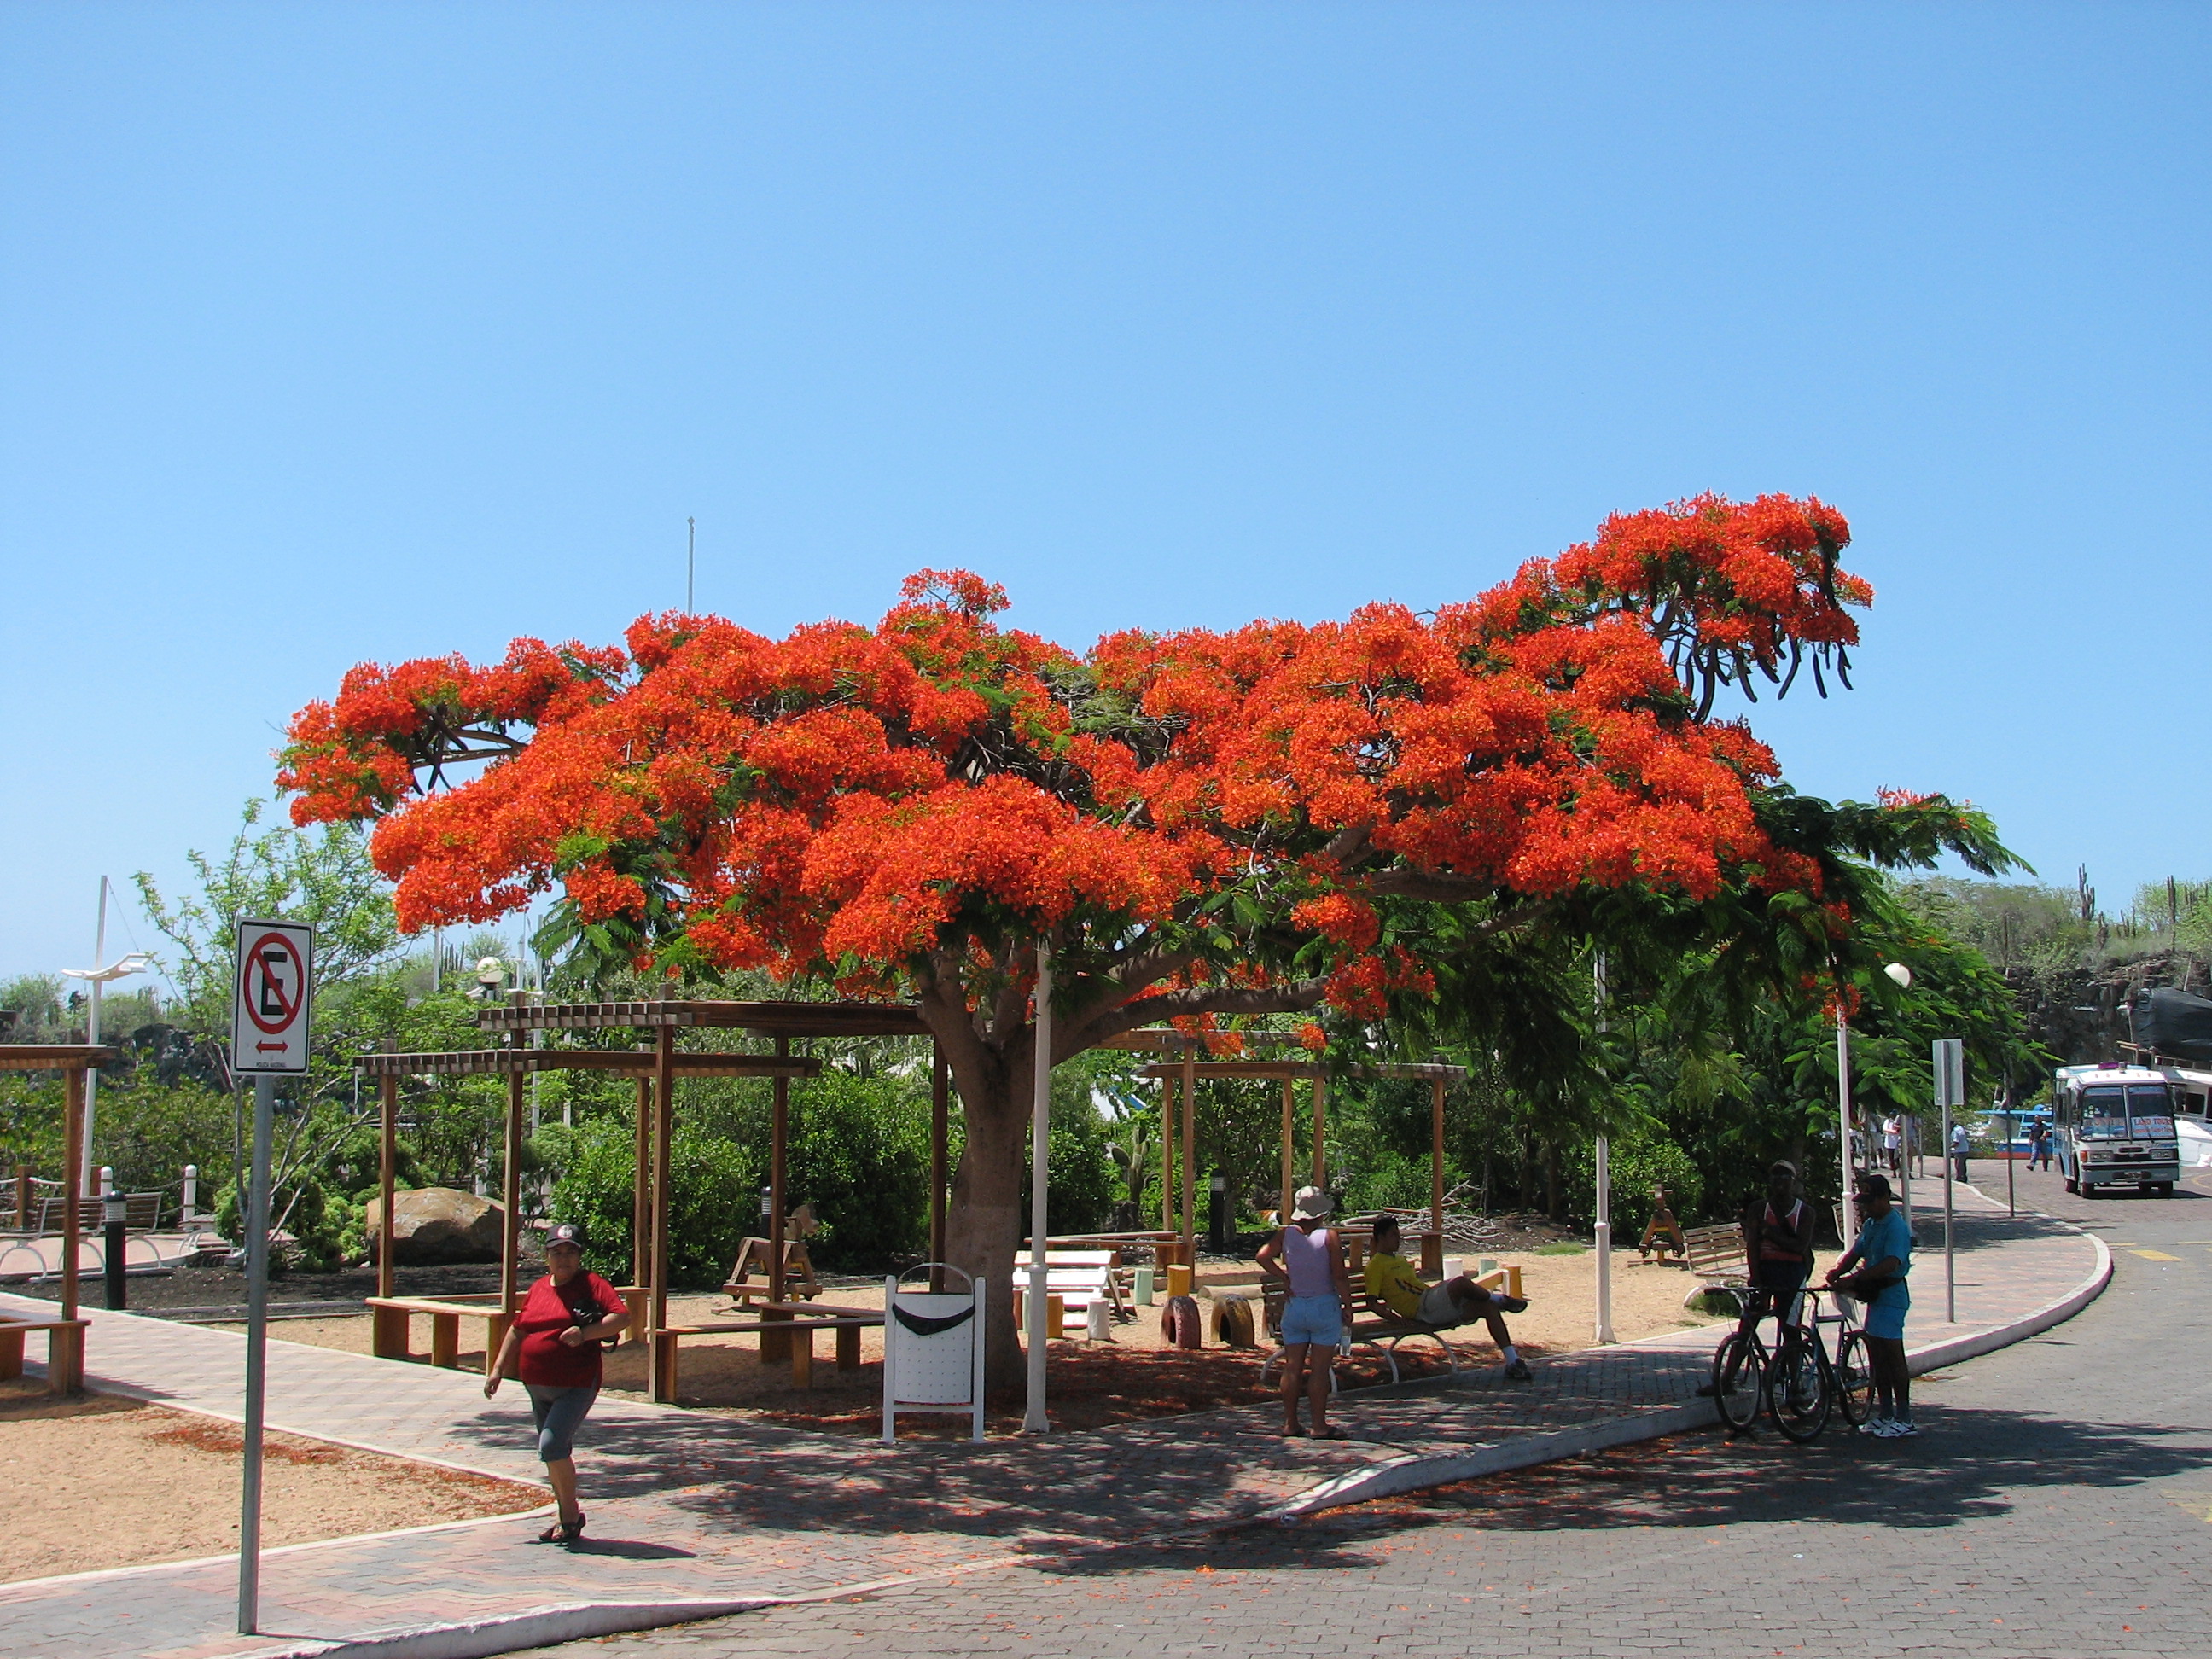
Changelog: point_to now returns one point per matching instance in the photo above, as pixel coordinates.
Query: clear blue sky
(342, 332)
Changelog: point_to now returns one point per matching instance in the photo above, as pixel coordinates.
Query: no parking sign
(269, 1009)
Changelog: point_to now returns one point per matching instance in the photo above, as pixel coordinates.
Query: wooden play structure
(1179, 1078)
(771, 1276)
(65, 1332)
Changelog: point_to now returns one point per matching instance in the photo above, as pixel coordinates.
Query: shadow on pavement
(1969, 1463)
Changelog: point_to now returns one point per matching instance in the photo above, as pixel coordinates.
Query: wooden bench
(1382, 1335)
(1715, 1254)
(65, 1351)
(388, 1333)
(789, 1331)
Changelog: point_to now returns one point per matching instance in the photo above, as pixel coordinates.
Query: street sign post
(1950, 1059)
(269, 1011)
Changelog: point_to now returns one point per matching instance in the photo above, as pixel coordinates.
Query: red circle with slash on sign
(276, 944)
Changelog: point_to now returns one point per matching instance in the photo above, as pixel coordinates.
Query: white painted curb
(573, 1621)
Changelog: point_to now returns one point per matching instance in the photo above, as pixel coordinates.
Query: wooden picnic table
(64, 1349)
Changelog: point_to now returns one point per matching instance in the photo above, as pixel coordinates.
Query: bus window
(2106, 1100)
(2148, 1100)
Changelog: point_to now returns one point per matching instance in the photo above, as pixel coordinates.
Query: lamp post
(122, 968)
(1901, 976)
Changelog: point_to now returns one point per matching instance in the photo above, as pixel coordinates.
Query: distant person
(2039, 1145)
(1916, 1146)
(1893, 1142)
(1777, 1248)
(1874, 1270)
(1309, 1257)
(1959, 1151)
(1396, 1288)
(554, 1343)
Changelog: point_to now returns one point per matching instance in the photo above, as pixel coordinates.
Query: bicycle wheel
(1797, 1396)
(1739, 1379)
(1854, 1378)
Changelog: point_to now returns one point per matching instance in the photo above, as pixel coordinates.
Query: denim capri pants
(558, 1413)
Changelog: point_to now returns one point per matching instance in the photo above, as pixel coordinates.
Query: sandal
(563, 1531)
(1330, 1433)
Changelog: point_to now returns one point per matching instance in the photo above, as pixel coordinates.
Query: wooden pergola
(66, 1372)
(657, 1070)
(1181, 1076)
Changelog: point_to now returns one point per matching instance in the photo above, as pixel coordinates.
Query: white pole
(256, 1356)
(1844, 1124)
(92, 1073)
(1034, 1420)
(1604, 1228)
(691, 560)
(1604, 1245)
(191, 1195)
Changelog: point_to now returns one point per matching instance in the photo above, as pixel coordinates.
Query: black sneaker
(1514, 1305)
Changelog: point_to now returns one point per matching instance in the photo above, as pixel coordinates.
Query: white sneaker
(1877, 1427)
(1905, 1431)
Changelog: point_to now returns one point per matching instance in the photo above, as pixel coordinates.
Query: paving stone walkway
(689, 1511)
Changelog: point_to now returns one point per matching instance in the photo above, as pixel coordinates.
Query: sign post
(268, 1021)
(1950, 1092)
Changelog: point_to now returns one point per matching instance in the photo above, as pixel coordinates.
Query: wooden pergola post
(1189, 1158)
(663, 1348)
(1320, 1133)
(72, 1182)
(1167, 1154)
(940, 1101)
(641, 1192)
(387, 1174)
(1432, 1242)
(775, 1346)
(510, 1221)
(1290, 1105)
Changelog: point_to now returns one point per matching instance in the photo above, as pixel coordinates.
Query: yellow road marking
(2197, 1504)
(2154, 1256)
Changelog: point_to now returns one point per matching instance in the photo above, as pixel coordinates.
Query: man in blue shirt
(1873, 1270)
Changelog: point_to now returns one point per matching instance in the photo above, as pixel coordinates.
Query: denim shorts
(558, 1413)
(1316, 1319)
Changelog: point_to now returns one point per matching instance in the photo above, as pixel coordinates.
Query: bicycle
(1797, 1385)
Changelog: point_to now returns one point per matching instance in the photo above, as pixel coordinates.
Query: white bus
(2113, 1125)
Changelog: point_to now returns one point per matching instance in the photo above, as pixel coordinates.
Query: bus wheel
(2163, 1189)
(2073, 1186)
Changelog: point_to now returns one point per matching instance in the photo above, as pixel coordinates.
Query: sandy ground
(1133, 1376)
(121, 1483)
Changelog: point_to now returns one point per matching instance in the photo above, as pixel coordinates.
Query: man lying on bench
(1398, 1292)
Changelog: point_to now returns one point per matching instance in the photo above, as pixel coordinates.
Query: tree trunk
(984, 1225)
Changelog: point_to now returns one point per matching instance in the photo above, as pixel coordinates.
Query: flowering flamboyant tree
(1199, 824)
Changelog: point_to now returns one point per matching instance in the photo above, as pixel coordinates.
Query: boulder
(432, 1226)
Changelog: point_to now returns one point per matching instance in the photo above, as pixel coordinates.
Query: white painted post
(191, 1196)
(1844, 1124)
(1604, 1231)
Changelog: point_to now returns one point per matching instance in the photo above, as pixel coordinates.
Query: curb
(572, 1621)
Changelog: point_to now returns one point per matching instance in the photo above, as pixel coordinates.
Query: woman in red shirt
(556, 1338)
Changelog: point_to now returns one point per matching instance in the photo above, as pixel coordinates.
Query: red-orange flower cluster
(851, 800)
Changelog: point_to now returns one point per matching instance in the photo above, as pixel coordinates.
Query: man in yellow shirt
(1398, 1292)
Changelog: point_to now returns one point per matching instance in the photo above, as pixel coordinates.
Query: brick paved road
(2059, 1504)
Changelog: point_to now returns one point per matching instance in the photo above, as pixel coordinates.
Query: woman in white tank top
(1310, 1255)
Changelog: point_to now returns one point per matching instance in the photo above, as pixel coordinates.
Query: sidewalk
(695, 1515)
